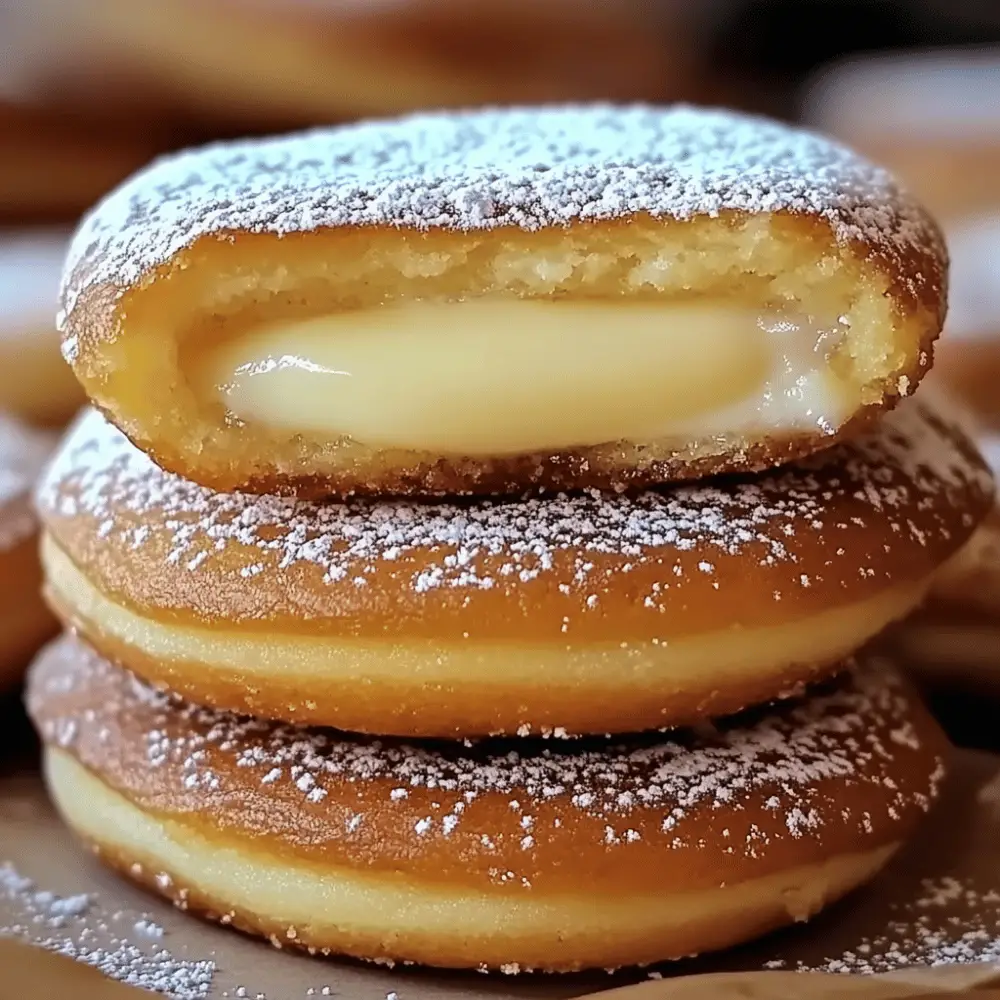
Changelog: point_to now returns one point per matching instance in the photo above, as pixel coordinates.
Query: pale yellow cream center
(495, 378)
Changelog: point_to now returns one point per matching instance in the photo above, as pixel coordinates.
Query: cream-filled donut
(582, 613)
(35, 382)
(25, 622)
(511, 854)
(478, 302)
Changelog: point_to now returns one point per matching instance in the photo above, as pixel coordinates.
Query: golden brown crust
(472, 706)
(848, 770)
(844, 527)
(853, 205)
(758, 213)
(622, 466)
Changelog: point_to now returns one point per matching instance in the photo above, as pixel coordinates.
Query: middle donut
(567, 614)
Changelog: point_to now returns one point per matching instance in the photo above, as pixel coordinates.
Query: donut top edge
(528, 168)
(912, 461)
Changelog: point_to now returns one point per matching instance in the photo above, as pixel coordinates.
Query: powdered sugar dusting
(23, 452)
(912, 468)
(951, 922)
(486, 169)
(663, 786)
(79, 928)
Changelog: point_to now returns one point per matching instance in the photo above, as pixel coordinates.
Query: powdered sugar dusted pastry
(513, 854)
(477, 302)
(589, 613)
(35, 382)
(25, 622)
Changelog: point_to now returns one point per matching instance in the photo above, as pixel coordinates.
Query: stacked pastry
(428, 453)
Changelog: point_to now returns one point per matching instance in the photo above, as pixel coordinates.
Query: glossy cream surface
(502, 377)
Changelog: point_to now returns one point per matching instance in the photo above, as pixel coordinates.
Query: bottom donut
(507, 854)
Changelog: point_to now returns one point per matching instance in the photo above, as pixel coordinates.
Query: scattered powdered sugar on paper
(23, 452)
(951, 922)
(855, 731)
(911, 463)
(480, 170)
(79, 928)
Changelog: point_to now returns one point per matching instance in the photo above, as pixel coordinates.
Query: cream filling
(495, 377)
(691, 663)
(333, 906)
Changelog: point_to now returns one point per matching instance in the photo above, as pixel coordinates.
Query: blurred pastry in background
(53, 165)
(953, 643)
(35, 383)
(253, 65)
(967, 357)
(932, 117)
(25, 622)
